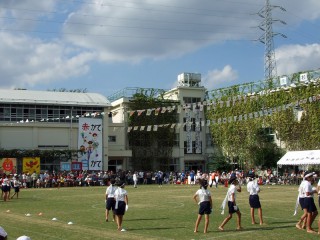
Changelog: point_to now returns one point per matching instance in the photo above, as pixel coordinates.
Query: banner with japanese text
(30, 164)
(8, 165)
(90, 143)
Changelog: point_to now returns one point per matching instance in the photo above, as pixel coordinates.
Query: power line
(113, 35)
(118, 26)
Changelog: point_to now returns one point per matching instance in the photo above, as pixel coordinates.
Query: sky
(104, 46)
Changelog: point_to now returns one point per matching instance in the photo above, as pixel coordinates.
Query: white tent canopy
(310, 157)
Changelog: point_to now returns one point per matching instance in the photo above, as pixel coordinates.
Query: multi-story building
(193, 143)
(46, 120)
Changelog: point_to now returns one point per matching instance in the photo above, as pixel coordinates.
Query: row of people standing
(203, 198)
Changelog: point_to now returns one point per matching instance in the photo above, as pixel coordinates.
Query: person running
(203, 198)
(254, 201)
(301, 224)
(121, 206)
(309, 202)
(110, 201)
(16, 186)
(232, 205)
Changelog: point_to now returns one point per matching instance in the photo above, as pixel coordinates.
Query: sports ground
(167, 212)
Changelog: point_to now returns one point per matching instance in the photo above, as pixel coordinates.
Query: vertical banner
(197, 132)
(8, 165)
(31, 165)
(90, 143)
(188, 130)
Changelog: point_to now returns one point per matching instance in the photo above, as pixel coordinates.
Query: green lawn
(154, 213)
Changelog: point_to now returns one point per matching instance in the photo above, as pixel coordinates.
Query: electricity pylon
(270, 66)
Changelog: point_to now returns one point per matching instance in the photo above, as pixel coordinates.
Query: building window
(112, 139)
(14, 112)
(114, 165)
(191, 100)
(194, 150)
(193, 124)
(174, 164)
(176, 141)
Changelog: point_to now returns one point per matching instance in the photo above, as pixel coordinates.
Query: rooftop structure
(53, 98)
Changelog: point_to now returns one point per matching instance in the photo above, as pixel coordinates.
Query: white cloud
(133, 31)
(220, 78)
(32, 61)
(295, 58)
(48, 41)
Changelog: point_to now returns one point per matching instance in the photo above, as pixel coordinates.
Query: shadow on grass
(293, 222)
(263, 228)
(145, 219)
(153, 228)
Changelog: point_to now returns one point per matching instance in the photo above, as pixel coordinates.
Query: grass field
(154, 213)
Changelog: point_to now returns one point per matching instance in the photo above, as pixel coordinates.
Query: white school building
(48, 120)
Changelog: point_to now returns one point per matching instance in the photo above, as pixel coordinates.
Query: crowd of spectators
(48, 179)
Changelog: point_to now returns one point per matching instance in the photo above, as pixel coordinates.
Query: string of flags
(210, 104)
(199, 106)
(229, 119)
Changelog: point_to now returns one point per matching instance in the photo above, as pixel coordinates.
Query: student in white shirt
(110, 200)
(16, 186)
(254, 201)
(233, 207)
(309, 202)
(203, 198)
(301, 224)
(135, 179)
(121, 198)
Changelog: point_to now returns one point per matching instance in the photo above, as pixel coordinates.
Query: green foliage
(151, 149)
(49, 154)
(247, 140)
(219, 163)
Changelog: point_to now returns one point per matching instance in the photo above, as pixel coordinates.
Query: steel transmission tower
(270, 66)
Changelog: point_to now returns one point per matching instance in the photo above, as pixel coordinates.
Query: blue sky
(107, 45)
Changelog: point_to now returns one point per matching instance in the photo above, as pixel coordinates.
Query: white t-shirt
(302, 193)
(308, 188)
(120, 194)
(134, 177)
(110, 191)
(253, 188)
(16, 183)
(232, 190)
(203, 195)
